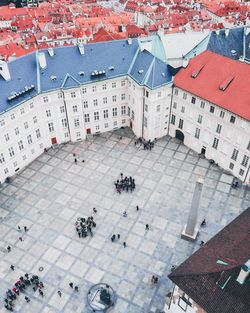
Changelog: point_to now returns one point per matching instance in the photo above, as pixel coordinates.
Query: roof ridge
(146, 78)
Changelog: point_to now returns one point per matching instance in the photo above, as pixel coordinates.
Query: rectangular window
(104, 87)
(158, 108)
(158, 94)
(73, 94)
(132, 115)
(64, 123)
(20, 145)
(123, 110)
(94, 88)
(184, 95)
(2, 159)
(123, 121)
(245, 161)
(241, 172)
(123, 96)
(235, 154)
(31, 105)
(78, 134)
(105, 113)
(29, 138)
(85, 104)
(51, 127)
(17, 131)
(173, 119)
(202, 104)
(147, 94)
(106, 125)
(26, 125)
(115, 123)
(12, 116)
(62, 109)
(48, 113)
(222, 114)
(218, 129)
(146, 108)
(2, 122)
(97, 127)
(7, 137)
(114, 111)
(180, 123)
(77, 122)
(231, 166)
(215, 143)
(95, 102)
(199, 119)
(182, 109)
(96, 116)
(197, 133)
(123, 83)
(193, 100)
(38, 134)
(34, 119)
(105, 100)
(59, 95)
(66, 135)
(11, 151)
(175, 105)
(129, 111)
(176, 91)
(75, 108)
(22, 111)
(113, 85)
(6, 171)
(145, 122)
(232, 119)
(84, 90)
(211, 109)
(114, 98)
(86, 118)
(45, 99)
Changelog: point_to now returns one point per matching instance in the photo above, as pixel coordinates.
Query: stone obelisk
(191, 229)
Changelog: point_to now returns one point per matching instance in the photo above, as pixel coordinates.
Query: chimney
(42, 60)
(51, 52)
(81, 48)
(4, 70)
(244, 272)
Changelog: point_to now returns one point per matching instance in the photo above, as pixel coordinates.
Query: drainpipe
(247, 173)
(170, 111)
(244, 44)
(65, 105)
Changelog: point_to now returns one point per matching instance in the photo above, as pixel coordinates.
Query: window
(22, 111)
(184, 302)
(2, 159)
(147, 94)
(184, 95)
(7, 137)
(222, 114)
(129, 111)
(197, 133)
(95, 102)
(123, 121)
(133, 87)
(29, 138)
(132, 115)
(218, 129)
(145, 121)
(104, 87)
(51, 127)
(199, 119)
(158, 94)
(94, 88)
(11, 152)
(146, 108)
(114, 98)
(77, 122)
(26, 125)
(176, 91)
(173, 119)
(115, 123)
(64, 123)
(193, 100)
(180, 123)
(232, 119)
(2, 122)
(158, 108)
(96, 116)
(245, 161)
(248, 146)
(202, 104)
(123, 83)
(241, 172)
(78, 134)
(106, 125)
(97, 127)
(182, 109)
(45, 99)
(123, 110)
(6, 171)
(84, 90)
(85, 104)
(75, 108)
(34, 119)
(62, 109)
(31, 105)
(231, 166)
(114, 111)
(211, 109)
(235, 154)
(86, 118)
(12, 116)
(123, 96)
(175, 105)
(48, 113)
(105, 113)
(59, 95)
(105, 100)
(17, 131)
(66, 135)
(113, 85)
(38, 134)
(20, 145)
(215, 143)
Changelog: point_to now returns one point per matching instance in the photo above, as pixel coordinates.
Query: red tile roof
(216, 69)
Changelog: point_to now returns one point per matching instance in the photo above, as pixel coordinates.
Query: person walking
(124, 244)
(59, 293)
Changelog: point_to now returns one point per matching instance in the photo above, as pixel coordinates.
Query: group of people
(84, 226)
(19, 287)
(147, 145)
(125, 184)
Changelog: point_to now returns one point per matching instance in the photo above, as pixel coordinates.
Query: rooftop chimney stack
(81, 48)
(4, 70)
(244, 272)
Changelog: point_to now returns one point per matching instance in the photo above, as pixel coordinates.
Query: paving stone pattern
(52, 192)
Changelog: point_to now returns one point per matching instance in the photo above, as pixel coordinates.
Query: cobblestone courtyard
(52, 192)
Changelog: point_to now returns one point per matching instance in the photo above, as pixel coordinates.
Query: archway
(179, 135)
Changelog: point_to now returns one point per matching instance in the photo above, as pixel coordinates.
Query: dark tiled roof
(197, 276)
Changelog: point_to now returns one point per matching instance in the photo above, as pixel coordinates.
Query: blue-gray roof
(69, 68)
